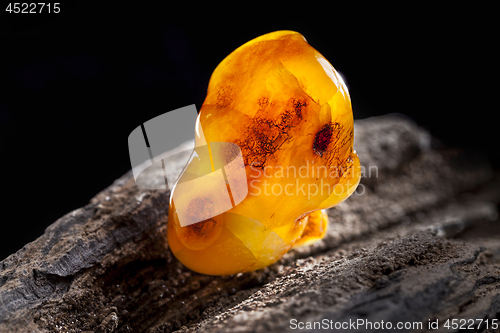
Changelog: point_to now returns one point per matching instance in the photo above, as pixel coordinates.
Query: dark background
(75, 84)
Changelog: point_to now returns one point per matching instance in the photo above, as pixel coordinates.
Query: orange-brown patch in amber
(200, 229)
(265, 136)
(230, 153)
(199, 236)
(224, 97)
(298, 107)
(200, 209)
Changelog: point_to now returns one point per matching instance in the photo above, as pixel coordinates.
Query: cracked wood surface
(418, 241)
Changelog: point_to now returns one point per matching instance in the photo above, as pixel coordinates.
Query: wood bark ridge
(418, 241)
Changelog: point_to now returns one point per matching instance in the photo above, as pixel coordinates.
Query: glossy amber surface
(289, 111)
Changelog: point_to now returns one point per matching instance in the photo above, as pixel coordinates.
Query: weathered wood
(419, 241)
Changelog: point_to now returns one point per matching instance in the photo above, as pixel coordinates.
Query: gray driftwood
(419, 241)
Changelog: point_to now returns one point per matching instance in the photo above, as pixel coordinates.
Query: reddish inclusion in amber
(323, 139)
(285, 106)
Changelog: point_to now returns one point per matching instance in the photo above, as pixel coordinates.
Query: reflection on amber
(290, 113)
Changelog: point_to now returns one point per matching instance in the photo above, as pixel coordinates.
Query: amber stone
(289, 112)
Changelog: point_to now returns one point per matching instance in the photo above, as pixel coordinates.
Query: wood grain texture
(418, 241)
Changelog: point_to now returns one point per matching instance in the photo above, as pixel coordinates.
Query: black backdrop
(75, 84)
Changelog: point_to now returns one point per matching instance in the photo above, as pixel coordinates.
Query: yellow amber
(289, 112)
